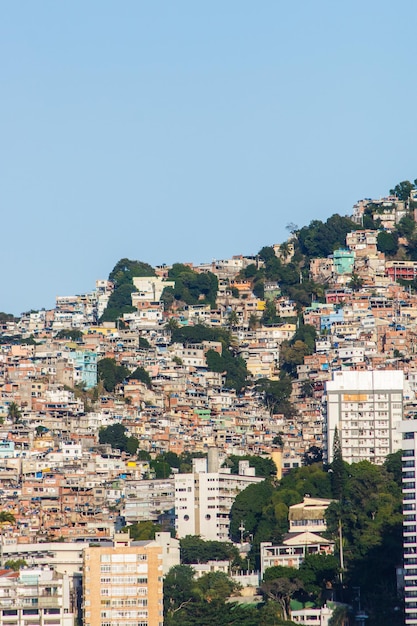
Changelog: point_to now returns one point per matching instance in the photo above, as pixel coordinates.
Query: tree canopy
(197, 550)
(193, 287)
(111, 374)
(115, 435)
(204, 602)
(142, 375)
(125, 270)
(121, 276)
(264, 466)
(321, 239)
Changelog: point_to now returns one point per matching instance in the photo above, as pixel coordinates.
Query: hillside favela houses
(242, 426)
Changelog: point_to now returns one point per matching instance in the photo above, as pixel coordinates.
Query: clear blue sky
(187, 131)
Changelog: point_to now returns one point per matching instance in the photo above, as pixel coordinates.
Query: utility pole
(360, 615)
(242, 530)
(342, 565)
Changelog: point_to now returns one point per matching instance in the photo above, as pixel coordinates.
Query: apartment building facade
(204, 498)
(366, 407)
(122, 584)
(35, 597)
(409, 463)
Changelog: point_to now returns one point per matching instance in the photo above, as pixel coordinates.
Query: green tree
(197, 550)
(192, 287)
(14, 413)
(168, 297)
(387, 242)
(319, 573)
(313, 455)
(132, 445)
(122, 275)
(406, 227)
(110, 373)
(321, 239)
(233, 366)
(253, 321)
(142, 375)
(115, 436)
(339, 616)
(402, 190)
(393, 465)
(307, 334)
(263, 508)
(250, 507)
(70, 333)
(179, 590)
(264, 466)
(161, 469)
(144, 343)
(7, 518)
(125, 270)
(356, 282)
(15, 564)
(269, 315)
(292, 354)
(371, 522)
(338, 469)
(216, 586)
(232, 319)
(281, 588)
(275, 393)
(142, 531)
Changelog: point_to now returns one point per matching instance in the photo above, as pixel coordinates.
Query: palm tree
(7, 518)
(340, 616)
(232, 319)
(253, 321)
(14, 413)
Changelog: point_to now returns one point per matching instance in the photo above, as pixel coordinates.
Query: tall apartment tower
(367, 409)
(122, 584)
(409, 461)
(204, 498)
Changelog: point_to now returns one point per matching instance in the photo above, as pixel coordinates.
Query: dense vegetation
(229, 362)
(203, 602)
(110, 373)
(196, 550)
(320, 239)
(191, 287)
(264, 466)
(122, 275)
(368, 511)
(115, 435)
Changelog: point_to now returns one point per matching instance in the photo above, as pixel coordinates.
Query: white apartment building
(149, 288)
(204, 498)
(312, 616)
(293, 551)
(148, 499)
(409, 455)
(35, 597)
(366, 407)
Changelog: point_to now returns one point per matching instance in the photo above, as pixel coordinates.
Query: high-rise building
(366, 407)
(36, 596)
(409, 462)
(204, 498)
(122, 584)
